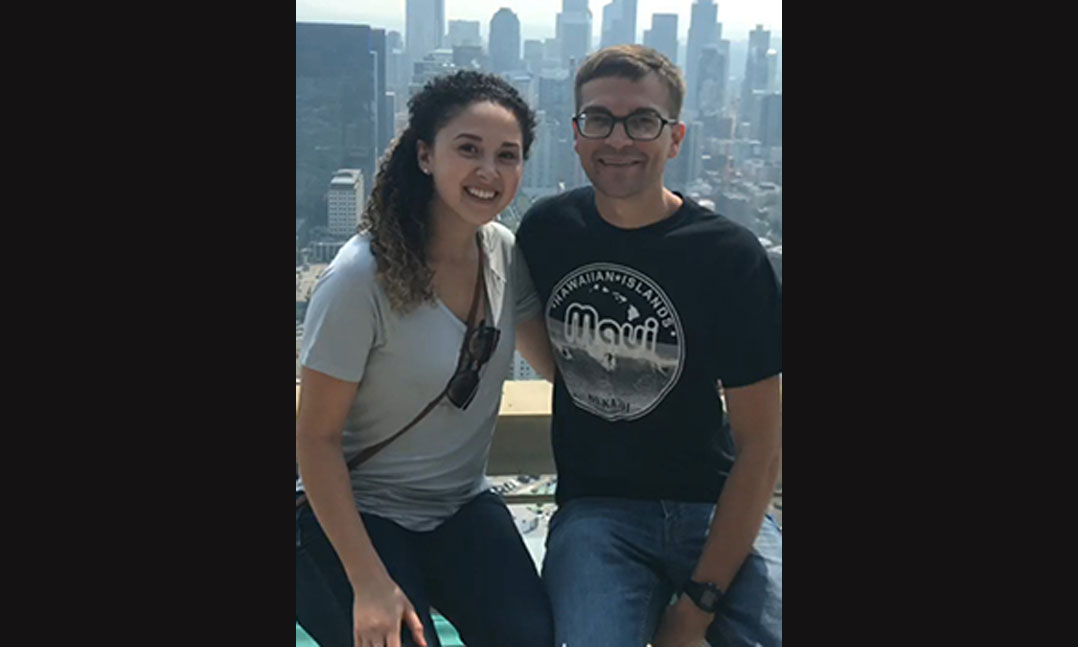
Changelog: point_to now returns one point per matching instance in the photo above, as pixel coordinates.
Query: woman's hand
(379, 609)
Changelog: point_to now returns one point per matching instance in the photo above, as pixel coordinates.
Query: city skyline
(738, 17)
(353, 82)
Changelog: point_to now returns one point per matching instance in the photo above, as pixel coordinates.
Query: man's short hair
(633, 62)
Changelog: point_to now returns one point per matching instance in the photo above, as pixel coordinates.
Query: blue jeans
(613, 565)
(474, 569)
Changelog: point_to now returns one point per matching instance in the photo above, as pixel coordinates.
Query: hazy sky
(537, 17)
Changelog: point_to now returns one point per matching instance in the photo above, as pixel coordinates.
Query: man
(650, 302)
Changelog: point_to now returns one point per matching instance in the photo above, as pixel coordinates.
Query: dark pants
(474, 569)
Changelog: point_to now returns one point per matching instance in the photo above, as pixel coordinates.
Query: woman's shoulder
(498, 235)
(354, 266)
(499, 246)
(355, 257)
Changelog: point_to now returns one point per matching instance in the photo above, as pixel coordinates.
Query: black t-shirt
(644, 323)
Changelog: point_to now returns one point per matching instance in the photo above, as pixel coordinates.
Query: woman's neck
(452, 239)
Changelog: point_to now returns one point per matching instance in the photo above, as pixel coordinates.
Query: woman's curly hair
(397, 216)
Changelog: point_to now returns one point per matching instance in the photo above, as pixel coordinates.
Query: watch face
(708, 599)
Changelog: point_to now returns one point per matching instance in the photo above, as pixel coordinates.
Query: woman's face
(477, 161)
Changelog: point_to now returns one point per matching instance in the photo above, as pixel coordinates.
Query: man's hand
(683, 625)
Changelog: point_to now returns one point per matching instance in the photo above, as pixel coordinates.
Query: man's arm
(534, 346)
(756, 423)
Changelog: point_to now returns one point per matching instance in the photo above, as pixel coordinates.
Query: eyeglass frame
(624, 121)
(471, 362)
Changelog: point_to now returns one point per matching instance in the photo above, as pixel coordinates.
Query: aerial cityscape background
(357, 64)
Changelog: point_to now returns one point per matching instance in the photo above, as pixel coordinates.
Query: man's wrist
(705, 595)
(696, 617)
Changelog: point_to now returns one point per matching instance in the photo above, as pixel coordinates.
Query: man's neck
(640, 210)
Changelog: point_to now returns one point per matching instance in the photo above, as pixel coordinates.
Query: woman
(415, 525)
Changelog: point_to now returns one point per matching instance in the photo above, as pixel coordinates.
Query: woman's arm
(380, 605)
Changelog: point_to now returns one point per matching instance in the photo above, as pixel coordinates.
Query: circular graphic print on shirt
(617, 340)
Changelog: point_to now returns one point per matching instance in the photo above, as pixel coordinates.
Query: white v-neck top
(401, 364)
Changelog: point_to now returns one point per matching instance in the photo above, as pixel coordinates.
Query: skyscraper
(770, 130)
(438, 63)
(539, 171)
(685, 168)
(556, 96)
(470, 57)
(772, 70)
(383, 107)
(346, 201)
(424, 27)
(533, 56)
(756, 72)
(663, 35)
(556, 100)
(573, 31)
(552, 49)
(464, 32)
(724, 49)
(504, 41)
(396, 71)
(776, 44)
(710, 78)
(619, 23)
(526, 85)
(704, 29)
(759, 44)
(340, 70)
(394, 40)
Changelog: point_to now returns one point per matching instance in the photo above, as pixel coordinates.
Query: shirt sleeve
(341, 324)
(750, 324)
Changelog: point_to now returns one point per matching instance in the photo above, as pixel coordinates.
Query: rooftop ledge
(522, 438)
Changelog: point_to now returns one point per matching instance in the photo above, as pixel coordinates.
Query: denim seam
(644, 616)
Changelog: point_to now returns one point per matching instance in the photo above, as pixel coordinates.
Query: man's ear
(677, 135)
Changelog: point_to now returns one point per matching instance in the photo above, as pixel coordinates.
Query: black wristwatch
(705, 595)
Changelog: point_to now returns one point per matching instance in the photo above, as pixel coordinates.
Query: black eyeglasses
(479, 346)
(642, 125)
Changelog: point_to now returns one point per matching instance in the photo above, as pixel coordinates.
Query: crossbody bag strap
(374, 449)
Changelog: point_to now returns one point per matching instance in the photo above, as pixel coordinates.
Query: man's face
(617, 165)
